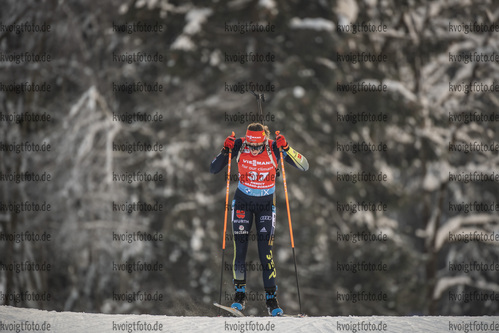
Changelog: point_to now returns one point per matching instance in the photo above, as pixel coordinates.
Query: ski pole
(225, 225)
(289, 220)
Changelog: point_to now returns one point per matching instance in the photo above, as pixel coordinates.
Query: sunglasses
(255, 147)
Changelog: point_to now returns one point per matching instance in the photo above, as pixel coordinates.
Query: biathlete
(257, 160)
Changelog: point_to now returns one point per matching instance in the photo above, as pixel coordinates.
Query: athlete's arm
(222, 158)
(292, 157)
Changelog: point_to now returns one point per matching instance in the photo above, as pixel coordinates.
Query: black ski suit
(258, 204)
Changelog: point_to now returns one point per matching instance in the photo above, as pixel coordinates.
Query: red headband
(255, 136)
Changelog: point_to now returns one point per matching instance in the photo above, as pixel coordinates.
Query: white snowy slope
(31, 320)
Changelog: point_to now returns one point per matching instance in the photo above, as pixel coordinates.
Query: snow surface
(91, 322)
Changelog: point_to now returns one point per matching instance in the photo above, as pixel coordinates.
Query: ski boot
(239, 297)
(272, 304)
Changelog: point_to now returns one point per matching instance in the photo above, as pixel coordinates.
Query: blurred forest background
(306, 104)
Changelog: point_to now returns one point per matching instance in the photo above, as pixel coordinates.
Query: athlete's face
(255, 148)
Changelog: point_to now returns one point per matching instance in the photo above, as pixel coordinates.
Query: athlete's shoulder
(238, 143)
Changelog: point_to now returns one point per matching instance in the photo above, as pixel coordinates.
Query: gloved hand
(281, 142)
(229, 142)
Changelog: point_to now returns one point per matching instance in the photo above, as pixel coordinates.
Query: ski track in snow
(93, 322)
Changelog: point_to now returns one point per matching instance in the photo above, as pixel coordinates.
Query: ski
(235, 312)
(238, 313)
(295, 316)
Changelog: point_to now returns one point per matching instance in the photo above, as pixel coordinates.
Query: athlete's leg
(241, 225)
(265, 228)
